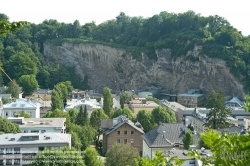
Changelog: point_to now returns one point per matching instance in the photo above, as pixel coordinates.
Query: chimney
(164, 134)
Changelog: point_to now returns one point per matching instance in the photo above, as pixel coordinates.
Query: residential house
(21, 148)
(91, 104)
(165, 137)
(29, 107)
(191, 99)
(121, 130)
(174, 106)
(231, 130)
(145, 94)
(199, 119)
(247, 122)
(40, 125)
(77, 94)
(9, 96)
(235, 102)
(43, 96)
(189, 161)
(138, 104)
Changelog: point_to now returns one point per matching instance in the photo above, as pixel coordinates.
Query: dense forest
(21, 51)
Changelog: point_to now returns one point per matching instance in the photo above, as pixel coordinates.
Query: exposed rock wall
(107, 66)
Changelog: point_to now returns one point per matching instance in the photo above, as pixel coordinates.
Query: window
(6, 114)
(118, 141)
(125, 132)
(16, 161)
(118, 132)
(34, 131)
(132, 141)
(9, 162)
(1, 150)
(8, 150)
(191, 162)
(16, 150)
(125, 141)
(1, 162)
(41, 148)
(132, 132)
(25, 131)
(43, 131)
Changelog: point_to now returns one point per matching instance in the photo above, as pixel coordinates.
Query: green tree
(227, 149)
(73, 113)
(56, 100)
(13, 88)
(122, 154)
(65, 156)
(6, 126)
(159, 160)
(80, 120)
(91, 157)
(146, 120)
(23, 114)
(107, 101)
(157, 101)
(6, 27)
(217, 117)
(124, 99)
(126, 111)
(164, 115)
(246, 104)
(87, 136)
(95, 121)
(75, 140)
(20, 64)
(85, 116)
(28, 83)
(5, 100)
(188, 139)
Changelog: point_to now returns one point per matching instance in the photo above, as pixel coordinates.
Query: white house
(29, 107)
(21, 148)
(116, 101)
(40, 125)
(91, 104)
(235, 102)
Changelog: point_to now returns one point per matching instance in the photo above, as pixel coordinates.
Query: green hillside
(21, 51)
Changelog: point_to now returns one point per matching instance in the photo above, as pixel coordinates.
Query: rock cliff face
(107, 66)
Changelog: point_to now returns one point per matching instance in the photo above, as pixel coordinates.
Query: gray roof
(172, 132)
(122, 120)
(16, 139)
(40, 122)
(182, 154)
(190, 95)
(5, 96)
(235, 100)
(230, 130)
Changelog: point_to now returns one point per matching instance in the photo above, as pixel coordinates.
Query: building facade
(27, 106)
(21, 148)
(121, 130)
(191, 99)
(40, 125)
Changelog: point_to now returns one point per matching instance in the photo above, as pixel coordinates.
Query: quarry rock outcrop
(115, 68)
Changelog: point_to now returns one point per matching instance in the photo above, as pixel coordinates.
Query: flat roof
(16, 139)
(40, 122)
(190, 95)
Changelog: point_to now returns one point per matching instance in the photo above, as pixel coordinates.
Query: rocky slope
(107, 66)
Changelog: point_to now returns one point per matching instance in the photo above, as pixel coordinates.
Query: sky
(67, 11)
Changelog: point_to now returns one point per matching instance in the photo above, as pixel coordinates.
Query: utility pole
(6, 74)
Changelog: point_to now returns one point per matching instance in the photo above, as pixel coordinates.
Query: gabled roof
(166, 134)
(235, 100)
(123, 120)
